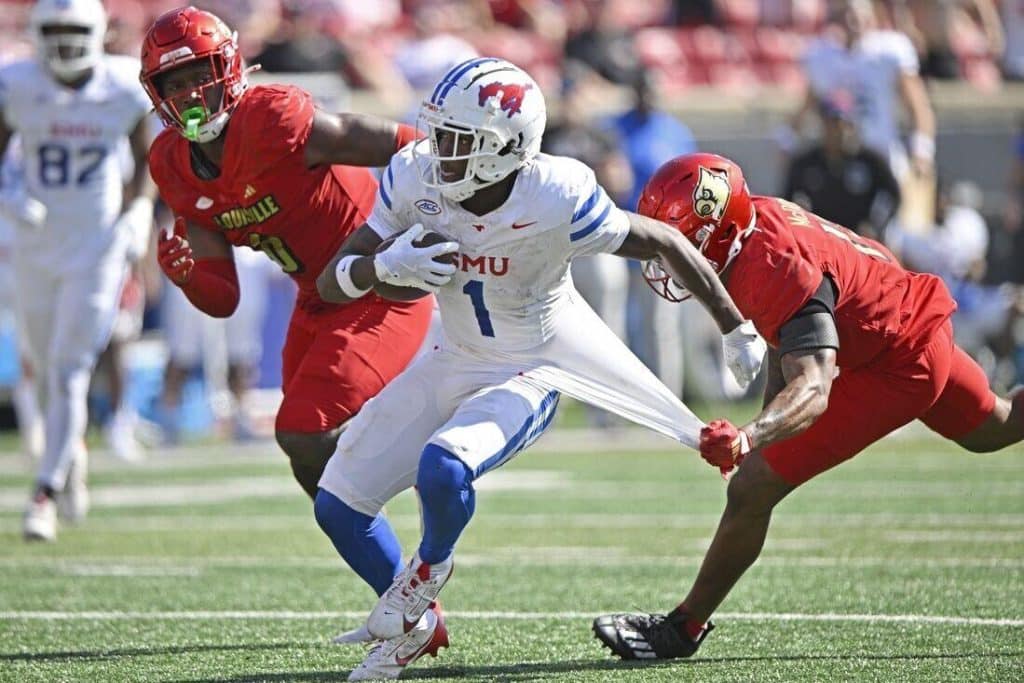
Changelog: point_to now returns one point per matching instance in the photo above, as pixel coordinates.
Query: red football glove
(175, 255)
(724, 445)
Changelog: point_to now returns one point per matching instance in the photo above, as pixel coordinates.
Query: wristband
(343, 274)
(922, 145)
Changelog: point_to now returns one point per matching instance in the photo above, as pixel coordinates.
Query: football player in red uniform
(262, 167)
(825, 299)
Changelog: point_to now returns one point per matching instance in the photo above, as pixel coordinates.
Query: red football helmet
(185, 36)
(705, 197)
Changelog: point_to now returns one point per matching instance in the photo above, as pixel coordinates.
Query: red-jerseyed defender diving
(824, 298)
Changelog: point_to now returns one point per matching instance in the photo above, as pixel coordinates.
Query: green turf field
(205, 564)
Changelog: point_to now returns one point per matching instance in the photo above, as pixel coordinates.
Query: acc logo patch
(711, 195)
(428, 207)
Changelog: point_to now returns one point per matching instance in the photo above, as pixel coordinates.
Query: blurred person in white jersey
(506, 221)
(24, 395)
(881, 70)
(77, 227)
(227, 349)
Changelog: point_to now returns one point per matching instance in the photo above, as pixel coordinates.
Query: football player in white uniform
(71, 106)
(517, 334)
(879, 69)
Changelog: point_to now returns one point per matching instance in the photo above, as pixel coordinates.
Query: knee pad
(442, 473)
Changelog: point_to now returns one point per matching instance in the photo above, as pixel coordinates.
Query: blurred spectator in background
(690, 12)
(986, 315)
(651, 137)
(438, 42)
(839, 179)
(545, 18)
(603, 279)
(1012, 14)
(877, 67)
(1006, 255)
(948, 34)
(599, 39)
(227, 350)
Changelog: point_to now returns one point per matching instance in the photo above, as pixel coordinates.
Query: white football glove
(403, 264)
(137, 223)
(744, 350)
(23, 209)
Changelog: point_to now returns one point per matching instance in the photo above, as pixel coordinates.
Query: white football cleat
(388, 659)
(358, 635)
(40, 522)
(410, 595)
(73, 501)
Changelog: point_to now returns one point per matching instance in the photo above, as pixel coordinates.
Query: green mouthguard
(193, 117)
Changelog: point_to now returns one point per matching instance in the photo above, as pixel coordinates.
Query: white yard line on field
(952, 524)
(211, 615)
(230, 489)
(150, 566)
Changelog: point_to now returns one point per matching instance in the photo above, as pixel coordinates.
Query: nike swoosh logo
(408, 625)
(204, 203)
(404, 661)
(520, 226)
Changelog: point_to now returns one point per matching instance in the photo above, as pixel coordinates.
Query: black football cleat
(647, 636)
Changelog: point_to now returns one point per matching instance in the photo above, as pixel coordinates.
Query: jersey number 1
(475, 290)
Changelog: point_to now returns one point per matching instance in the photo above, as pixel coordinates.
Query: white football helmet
(495, 104)
(68, 55)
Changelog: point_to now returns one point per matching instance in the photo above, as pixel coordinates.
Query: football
(427, 239)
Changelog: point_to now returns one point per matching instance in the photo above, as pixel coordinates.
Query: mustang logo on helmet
(511, 95)
(711, 196)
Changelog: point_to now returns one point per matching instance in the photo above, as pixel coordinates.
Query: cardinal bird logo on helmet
(511, 95)
(711, 196)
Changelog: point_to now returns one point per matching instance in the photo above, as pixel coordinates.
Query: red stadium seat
(777, 45)
(659, 46)
(739, 12)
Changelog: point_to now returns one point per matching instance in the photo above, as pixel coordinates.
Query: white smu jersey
(870, 71)
(71, 141)
(513, 268)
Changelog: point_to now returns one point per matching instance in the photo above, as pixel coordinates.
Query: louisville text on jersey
(241, 216)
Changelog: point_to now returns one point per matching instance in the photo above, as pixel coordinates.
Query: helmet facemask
(488, 158)
(666, 287)
(70, 50)
(194, 90)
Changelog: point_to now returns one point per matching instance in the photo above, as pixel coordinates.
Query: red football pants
(940, 384)
(336, 360)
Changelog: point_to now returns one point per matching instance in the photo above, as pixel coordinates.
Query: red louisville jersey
(880, 306)
(265, 198)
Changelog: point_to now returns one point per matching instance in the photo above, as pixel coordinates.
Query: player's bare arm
(649, 239)
(802, 399)
(207, 244)
(922, 140)
(350, 139)
(363, 242)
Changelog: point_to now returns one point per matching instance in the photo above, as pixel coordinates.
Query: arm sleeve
(384, 220)
(814, 325)
(596, 224)
(213, 287)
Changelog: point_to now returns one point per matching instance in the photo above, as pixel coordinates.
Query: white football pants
(486, 407)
